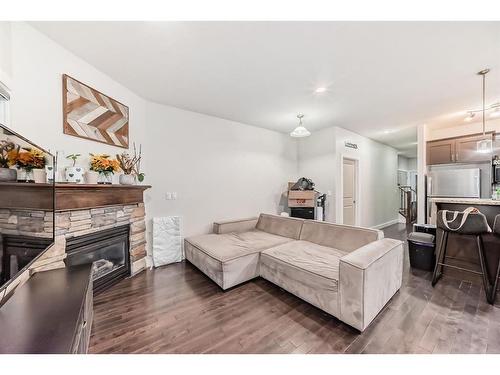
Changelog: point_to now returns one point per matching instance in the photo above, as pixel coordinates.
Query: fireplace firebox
(107, 250)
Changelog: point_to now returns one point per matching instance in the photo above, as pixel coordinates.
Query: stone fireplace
(84, 216)
(108, 251)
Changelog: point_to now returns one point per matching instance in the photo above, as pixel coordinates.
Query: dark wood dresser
(51, 313)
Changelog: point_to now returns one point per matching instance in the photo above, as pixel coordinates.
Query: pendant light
(300, 131)
(484, 146)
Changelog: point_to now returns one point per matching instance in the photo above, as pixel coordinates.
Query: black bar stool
(493, 294)
(474, 225)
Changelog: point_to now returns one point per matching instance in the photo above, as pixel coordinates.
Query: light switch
(174, 195)
(168, 196)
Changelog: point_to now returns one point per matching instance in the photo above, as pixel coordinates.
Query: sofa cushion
(318, 261)
(308, 270)
(225, 247)
(226, 274)
(280, 225)
(343, 237)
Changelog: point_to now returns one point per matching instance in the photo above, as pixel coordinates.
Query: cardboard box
(301, 203)
(302, 194)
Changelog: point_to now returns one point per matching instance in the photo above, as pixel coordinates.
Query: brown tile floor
(177, 309)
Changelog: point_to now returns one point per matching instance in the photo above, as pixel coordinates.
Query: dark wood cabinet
(466, 149)
(457, 150)
(441, 152)
(50, 314)
(82, 333)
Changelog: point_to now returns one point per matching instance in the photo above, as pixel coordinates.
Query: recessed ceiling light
(320, 90)
(387, 131)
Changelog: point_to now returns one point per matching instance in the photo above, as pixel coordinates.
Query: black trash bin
(422, 250)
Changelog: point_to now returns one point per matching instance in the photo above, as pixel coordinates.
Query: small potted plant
(8, 156)
(74, 173)
(130, 166)
(105, 166)
(32, 162)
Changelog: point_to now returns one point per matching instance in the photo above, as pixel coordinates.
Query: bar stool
(493, 294)
(463, 223)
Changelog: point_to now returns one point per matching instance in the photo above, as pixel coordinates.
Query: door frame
(340, 196)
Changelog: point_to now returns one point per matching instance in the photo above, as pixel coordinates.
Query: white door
(349, 192)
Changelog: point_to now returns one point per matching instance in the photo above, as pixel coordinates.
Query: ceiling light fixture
(484, 146)
(300, 131)
(320, 90)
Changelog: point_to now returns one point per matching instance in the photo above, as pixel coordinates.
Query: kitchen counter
(471, 201)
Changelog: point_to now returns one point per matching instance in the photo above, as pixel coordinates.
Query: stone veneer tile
(138, 226)
(80, 217)
(71, 224)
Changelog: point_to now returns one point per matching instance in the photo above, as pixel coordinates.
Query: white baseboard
(381, 226)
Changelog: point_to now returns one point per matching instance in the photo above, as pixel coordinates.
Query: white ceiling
(383, 78)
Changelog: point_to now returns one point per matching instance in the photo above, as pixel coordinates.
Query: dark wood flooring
(177, 309)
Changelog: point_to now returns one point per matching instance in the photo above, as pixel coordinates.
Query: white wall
(36, 105)
(402, 163)
(5, 53)
(220, 169)
(412, 164)
(320, 158)
(378, 163)
(316, 160)
(407, 164)
(462, 129)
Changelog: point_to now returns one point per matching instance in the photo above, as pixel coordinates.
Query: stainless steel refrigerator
(453, 183)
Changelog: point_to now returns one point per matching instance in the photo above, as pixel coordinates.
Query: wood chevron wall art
(89, 114)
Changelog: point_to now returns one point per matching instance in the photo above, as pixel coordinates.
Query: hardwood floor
(177, 309)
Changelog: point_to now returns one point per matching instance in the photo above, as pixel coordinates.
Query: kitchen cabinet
(441, 152)
(457, 150)
(466, 149)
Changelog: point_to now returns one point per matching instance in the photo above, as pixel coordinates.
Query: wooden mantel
(68, 196)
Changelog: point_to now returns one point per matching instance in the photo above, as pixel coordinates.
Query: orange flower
(30, 159)
(102, 163)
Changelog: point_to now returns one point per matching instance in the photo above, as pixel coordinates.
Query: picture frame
(92, 115)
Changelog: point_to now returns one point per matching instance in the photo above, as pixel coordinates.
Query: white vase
(74, 174)
(91, 177)
(127, 179)
(50, 173)
(105, 178)
(40, 176)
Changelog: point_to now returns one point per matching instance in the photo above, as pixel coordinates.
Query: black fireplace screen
(106, 250)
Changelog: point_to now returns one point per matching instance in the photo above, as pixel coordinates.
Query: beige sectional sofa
(349, 272)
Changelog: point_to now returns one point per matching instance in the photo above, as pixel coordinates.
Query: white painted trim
(340, 195)
(380, 226)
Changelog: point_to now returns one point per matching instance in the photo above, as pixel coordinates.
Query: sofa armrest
(235, 226)
(368, 278)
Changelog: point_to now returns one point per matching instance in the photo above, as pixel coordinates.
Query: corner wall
(218, 168)
(320, 158)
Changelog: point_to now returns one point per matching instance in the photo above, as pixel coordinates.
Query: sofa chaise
(349, 272)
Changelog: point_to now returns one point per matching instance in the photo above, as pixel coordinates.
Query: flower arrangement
(131, 165)
(103, 164)
(30, 158)
(8, 153)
